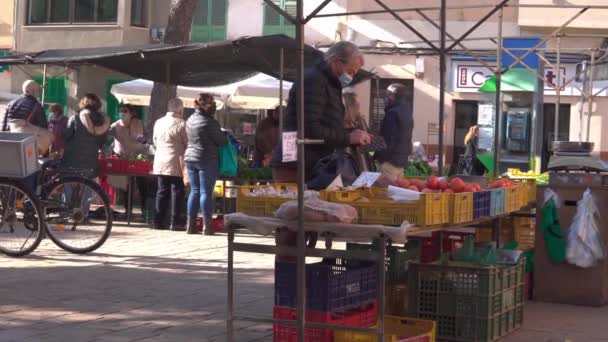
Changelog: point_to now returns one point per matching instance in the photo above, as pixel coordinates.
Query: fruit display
(434, 184)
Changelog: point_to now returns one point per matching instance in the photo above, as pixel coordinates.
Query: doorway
(465, 116)
(548, 126)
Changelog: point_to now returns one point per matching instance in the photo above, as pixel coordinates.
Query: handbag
(228, 160)
(328, 168)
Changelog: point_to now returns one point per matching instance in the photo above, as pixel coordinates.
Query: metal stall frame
(301, 252)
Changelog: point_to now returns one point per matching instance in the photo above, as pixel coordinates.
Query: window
(139, 13)
(72, 11)
(275, 23)
(209, 23)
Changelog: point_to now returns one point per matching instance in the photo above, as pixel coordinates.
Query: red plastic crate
(139, 167)
(112, 166)
(109, 189)
(365, 316)
(452, 240)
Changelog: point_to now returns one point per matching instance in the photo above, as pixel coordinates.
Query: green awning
(516, 79)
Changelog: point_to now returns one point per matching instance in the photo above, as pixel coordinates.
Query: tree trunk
(177, 32)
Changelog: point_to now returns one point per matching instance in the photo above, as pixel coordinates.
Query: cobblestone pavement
(152, 286)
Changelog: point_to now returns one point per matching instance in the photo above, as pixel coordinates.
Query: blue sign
(530, 60)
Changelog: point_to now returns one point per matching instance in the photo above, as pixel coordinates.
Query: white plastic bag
(551, 195)
(316, 210)
(585, 245)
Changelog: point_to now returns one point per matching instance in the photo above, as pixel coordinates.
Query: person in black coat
(323, 110)
(396, 129)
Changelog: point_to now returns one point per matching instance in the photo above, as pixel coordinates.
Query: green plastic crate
(397, 258)
(469, 302)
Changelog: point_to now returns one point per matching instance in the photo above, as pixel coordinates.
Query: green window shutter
(55, 92)
(209, 21)
(275, 23)
(111, 102)
(290, 7)
(272, 19)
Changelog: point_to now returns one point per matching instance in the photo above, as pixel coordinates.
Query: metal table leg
(381, 286)
(129, 199)
(230, 308)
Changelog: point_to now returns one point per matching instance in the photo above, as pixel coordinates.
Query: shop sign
(467, 77)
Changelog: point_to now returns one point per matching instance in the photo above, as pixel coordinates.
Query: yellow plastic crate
(430, 209)
(261, 205)
(395, 329)
(513, 198)
(461, 207)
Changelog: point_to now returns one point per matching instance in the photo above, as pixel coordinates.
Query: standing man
(396, 129)
(323, 110)
(25, 115)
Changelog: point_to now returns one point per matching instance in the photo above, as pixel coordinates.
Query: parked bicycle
(71, 209)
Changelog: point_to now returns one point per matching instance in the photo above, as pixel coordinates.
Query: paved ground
(150, 286)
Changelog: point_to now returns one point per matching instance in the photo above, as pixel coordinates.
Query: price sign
(290, 148)
(366, 179)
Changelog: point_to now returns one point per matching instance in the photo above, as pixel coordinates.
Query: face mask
(212, 108)
(124, 117)
(345, 79)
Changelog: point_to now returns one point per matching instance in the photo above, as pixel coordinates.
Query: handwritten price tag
(290, 148)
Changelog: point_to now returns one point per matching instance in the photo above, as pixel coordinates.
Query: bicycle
(74, 211)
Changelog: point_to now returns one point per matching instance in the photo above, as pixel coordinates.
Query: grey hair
(175, 105)
(344, 51)
(29, 87)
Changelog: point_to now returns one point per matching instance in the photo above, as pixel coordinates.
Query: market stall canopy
(188, 65)
(515, 79)
(257, 92)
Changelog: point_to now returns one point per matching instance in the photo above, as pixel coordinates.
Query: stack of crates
(481, 204)
(468, 302)
(397, 260)
(338, 291)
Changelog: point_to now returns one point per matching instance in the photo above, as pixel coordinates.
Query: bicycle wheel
(78, 214)
(20, 220)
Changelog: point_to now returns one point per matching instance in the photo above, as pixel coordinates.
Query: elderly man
(26, 115)
(324, 110)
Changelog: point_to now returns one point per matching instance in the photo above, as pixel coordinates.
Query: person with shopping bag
(205, 142)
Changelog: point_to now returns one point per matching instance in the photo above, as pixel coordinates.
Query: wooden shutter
(290, 7)
(218, 20)
(272, 19)
(55, 92)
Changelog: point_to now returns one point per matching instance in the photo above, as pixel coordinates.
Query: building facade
(75, 23)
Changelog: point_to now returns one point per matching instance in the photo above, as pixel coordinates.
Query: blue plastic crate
(497, 202)
(331, 285)
(481, 204)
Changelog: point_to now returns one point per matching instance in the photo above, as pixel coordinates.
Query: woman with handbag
(202, 159)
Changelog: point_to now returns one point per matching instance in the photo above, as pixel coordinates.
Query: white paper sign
(485, 115)
(366, 179)
(290, 148)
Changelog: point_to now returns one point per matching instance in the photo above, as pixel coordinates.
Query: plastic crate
(397, 296)
(112, 166)
(138, 167)
(512, 198)
(364, 316)
(397, 259)
(429, 245)
(21, 150)
(430, 209)
(331, 285)
(468, 302)
(461, 207)
(109, 189)
(497, 202)
(481, 204)
(396, 329)
(524, 231)
(261, 205)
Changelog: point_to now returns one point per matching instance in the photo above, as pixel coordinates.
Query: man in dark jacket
(396, 129)
(323, 110)
(26, 108)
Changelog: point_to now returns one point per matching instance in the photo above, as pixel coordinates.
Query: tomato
(469, 188)
(418, 183)
(427, 191)
(443, 184)
(414, 188)
(432, 182)
(448, 191)
(457, 184)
